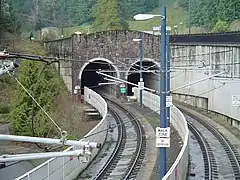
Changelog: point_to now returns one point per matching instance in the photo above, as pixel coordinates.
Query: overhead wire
(36, 102)
(151, 113)
(33, 103)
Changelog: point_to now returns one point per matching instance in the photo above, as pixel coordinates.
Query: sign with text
(236, 100)
(168, 101)
(163, 132)
(141, 85)
(162, 142)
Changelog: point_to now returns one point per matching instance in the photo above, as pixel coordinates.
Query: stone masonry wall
(116, 46)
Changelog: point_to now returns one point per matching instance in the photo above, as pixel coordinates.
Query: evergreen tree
(48, 89)
(206, 13)
(221, 26)
(106, 16)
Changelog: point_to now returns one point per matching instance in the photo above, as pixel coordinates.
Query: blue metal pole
(141, 59)
(163, 119)
(168, 74)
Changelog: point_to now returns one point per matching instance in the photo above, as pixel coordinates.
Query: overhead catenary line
(36, 102)
(153, 112)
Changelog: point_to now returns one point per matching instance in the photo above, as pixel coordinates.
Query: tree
(106, 16)
(206, 13)
(221, 26)
(21, 111)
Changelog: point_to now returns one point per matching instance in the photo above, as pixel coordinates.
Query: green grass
(85, 28)
(235, 25)
(174, 17)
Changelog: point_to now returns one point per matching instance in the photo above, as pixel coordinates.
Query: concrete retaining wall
(213, 94)
(63, 167)
(195, 62)
(179, 169)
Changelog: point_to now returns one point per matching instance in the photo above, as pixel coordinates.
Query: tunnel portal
(91, 79)
(149, 78)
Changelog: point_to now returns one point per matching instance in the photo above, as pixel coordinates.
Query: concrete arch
(144, 60)
(98, 59)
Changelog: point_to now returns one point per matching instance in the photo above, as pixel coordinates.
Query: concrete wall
(119, 47)
(116, 46)
(204, 60)
(191, 63)
(64, 168)
(179, 168)
(215, 94)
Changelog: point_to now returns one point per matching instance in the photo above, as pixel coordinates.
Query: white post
(63, 166)
(48, 141)
(48, 170)
(23, 157)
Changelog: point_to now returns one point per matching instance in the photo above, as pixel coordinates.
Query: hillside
(97, 15)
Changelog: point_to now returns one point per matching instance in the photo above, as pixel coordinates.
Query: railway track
(127, 157)
(210, 165)
(221, 160)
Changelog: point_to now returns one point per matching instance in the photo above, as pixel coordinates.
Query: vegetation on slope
(51, 93)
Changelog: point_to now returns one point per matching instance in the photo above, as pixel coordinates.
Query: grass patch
(85, 28)
(174, 17)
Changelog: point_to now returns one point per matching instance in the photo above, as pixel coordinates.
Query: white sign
(162, 132)
(162, 142)
(157, 28)
(168, 101)
(141, 85)
(168, 28)
(122, 85)
(75, 91)
(77, 87)
(235, 100)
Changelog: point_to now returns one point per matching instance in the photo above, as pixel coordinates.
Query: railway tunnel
(91, 79)
(150, 76)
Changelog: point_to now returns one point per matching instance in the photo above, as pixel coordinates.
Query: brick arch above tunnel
(98, 59)
(144, 60)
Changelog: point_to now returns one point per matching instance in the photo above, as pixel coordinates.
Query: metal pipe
(195, 82)
(24, 157)
(48, 140)
(163, 154)
(121, 80)
(112, 80)
(141, 64)
(108, 83)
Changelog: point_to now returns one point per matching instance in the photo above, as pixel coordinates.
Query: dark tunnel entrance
(149, 78)
(91, 79)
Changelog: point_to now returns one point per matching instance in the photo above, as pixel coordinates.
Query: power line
(145, 115)
(36, 103)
